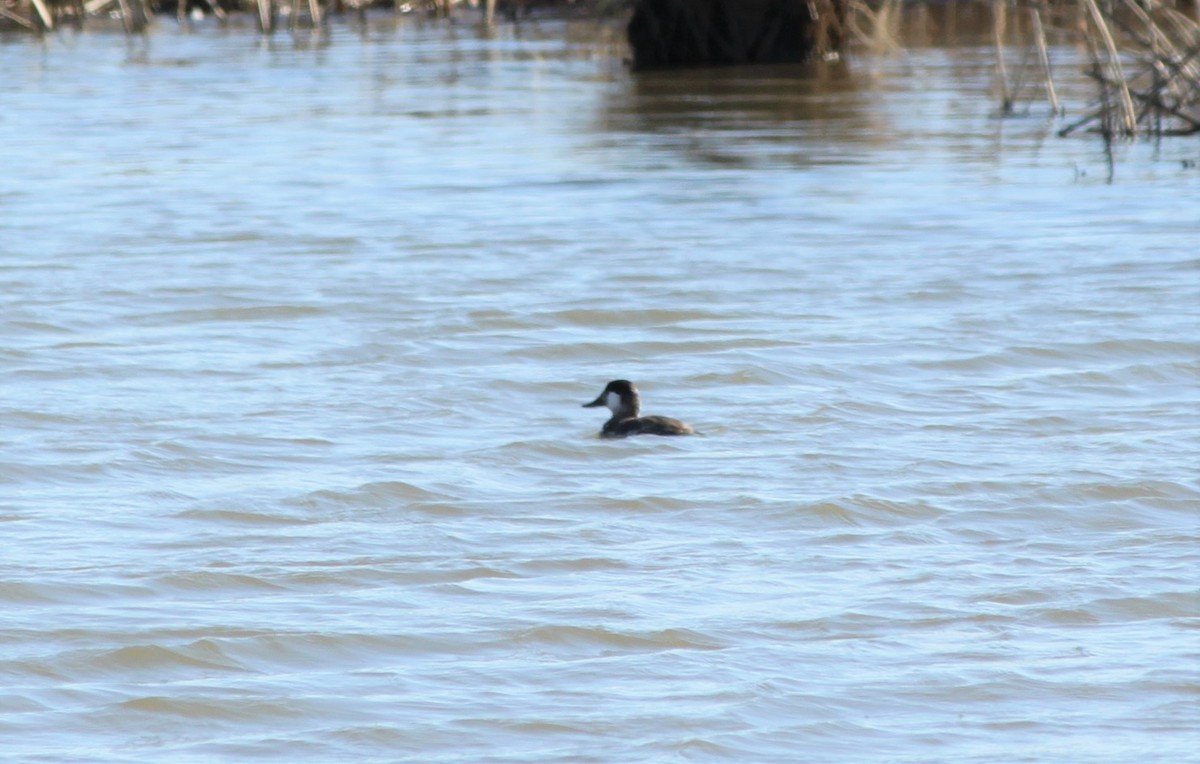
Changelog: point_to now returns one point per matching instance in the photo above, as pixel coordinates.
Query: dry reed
(47, 15)
(1144, 56)
(1145, 59)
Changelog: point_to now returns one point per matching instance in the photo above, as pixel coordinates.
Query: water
(295, 336)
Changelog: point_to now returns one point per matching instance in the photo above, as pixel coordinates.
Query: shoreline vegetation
(135, 16)
(1143, 55)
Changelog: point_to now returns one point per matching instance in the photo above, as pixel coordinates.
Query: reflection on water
(735, 116)
(294, 337)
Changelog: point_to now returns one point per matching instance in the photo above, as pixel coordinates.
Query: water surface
(295, 335)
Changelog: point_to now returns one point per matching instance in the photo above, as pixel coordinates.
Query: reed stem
(1039, 34)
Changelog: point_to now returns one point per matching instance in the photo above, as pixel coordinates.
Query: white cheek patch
(613, 401)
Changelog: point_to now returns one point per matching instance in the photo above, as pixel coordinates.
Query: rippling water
(293, 346)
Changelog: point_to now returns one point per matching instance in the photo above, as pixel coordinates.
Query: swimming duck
(622, 399)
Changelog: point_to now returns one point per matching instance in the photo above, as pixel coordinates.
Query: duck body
(623, 400)
(645, 425)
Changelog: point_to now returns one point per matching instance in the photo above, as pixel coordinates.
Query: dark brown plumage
(623, 400)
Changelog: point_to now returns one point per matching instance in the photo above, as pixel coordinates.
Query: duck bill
(598, 402)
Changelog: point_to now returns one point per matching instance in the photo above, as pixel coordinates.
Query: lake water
(293, 467)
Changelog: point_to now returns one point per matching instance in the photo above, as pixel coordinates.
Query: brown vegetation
(1144, 54)
(46, 15)
(1146, 63)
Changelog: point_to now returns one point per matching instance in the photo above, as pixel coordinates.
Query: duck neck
(626, 410)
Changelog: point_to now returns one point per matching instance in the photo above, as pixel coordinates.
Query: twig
(44, 12)
(1129, 123)
(999, 22)
(1044, 54)
(16, 17)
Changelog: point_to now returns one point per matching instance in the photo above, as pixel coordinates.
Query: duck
(625, 403)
